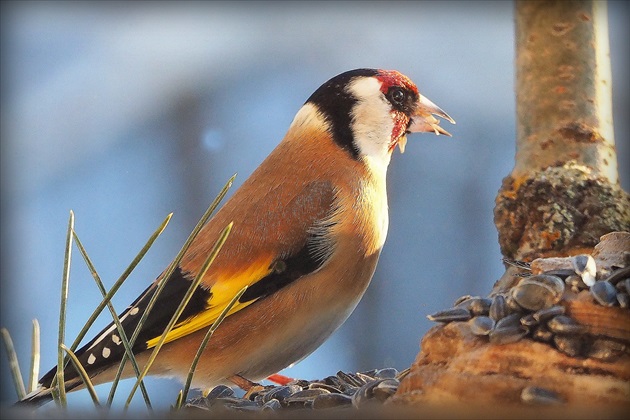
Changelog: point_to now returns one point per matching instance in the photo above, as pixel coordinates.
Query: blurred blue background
(126, 112)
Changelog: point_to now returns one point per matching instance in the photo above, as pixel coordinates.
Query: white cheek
(372, 122)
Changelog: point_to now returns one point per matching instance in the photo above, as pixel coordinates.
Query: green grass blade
(167, 274)
(209, 260)
(183, 250)
(181, 253)
(63, 309)
(14, 365)
(204, 343)
(35, 357)
(112, 291)
(83, 374)
(119, 327)
(119, 282)
(179, 401)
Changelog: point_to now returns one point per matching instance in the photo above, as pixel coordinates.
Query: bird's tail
(44, 392)
(39, 396)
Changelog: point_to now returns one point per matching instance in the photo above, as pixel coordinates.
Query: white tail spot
(91, 359)
(106, 352)
(116, 339)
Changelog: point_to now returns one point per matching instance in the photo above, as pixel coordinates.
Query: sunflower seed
(461, 299)
(624, 286)
(333, 381)
(239, 404)
(385, 389)
(307, 394)
(281, 393)
(329, 388)
(548, 313)
(606, 350)
(562, 324)
(619, 275)
(511, 304)
(350, 390)
(271, 405)
(364, 394)
(350, 379)
(324, 401)
(512, 320)
(604, 293)
(575, 283)
(542, 333)
(481, 307)
(537, 395)
(220, 391)
(386, 373)
(498, 308)
(476, 305)
(571, 345)
(584, 265)
(450, 315)
(529, 321)
(302, 383)
(481, 325)
(304, 398)
(507, 335)
(538, 292)
(365, 378)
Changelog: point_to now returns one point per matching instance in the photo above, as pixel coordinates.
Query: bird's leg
(280, 379)
(241, 382)
(246, 385)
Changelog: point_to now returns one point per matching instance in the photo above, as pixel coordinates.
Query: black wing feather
(106, 349)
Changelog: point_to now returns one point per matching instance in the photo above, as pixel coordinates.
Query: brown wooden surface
(457, 369)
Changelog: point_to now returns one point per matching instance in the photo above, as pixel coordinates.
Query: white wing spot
(91, 359)
(106, 334)
(116, 339)
(133, 311)
(106, 352)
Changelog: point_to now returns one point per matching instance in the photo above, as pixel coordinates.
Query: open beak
(423, 121)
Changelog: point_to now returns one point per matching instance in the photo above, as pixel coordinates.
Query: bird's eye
(397, 96)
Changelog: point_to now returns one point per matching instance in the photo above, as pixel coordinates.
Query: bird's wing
(270, 251)
(264, 252)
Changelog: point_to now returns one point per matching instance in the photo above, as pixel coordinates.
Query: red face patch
(401, 121)
(391, 78)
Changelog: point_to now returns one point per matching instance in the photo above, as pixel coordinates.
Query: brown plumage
(309, 225)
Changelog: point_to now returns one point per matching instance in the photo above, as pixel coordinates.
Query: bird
(308, 226)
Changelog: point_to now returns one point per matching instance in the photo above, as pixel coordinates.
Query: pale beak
(423, 121)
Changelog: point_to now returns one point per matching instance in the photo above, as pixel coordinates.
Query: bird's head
(369, 112)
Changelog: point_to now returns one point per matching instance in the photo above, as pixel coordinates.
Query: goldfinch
(308, 227)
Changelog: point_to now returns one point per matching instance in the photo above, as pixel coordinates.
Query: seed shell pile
(533, 308)
(341, 391)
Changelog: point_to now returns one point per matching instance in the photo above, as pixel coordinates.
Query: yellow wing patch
(222, 293)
